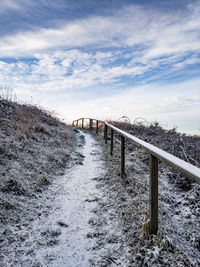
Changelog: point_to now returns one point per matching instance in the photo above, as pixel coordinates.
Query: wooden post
(91, 124)
(73, 124)
(97, 127)
(77, 123)
(111, 141)
(153, 195)
(106, 133)
(122, 156)
(82, 122)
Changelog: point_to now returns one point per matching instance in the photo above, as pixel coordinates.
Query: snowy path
(67, 224)
(73, 223)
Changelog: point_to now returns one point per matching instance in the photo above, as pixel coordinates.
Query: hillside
(63, 199)
(177, 242)
(35, 149)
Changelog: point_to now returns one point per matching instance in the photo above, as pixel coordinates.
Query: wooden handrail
(191, 171)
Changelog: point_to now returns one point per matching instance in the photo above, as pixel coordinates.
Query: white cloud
(100, 50)
(194, 59)
(151, 39)
(70, 69)
(8, 4)
(171, 104)
(161, 34)
(19, 5)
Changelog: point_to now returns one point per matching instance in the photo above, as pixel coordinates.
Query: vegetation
(177, 242)
(180, 145)
(35, 148)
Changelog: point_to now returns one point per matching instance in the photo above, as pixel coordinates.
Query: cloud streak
(141, 40)
(135, 45)
(159, 33)
(174, 104)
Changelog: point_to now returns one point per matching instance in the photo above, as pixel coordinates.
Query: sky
(105, 59)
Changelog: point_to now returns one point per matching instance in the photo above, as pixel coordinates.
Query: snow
(178, 237)
(73, 207)
(90, 216)
(63, 233)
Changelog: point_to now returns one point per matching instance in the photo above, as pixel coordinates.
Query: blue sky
(105, 58)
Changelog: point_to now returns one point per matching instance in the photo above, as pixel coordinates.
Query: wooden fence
(156, 154)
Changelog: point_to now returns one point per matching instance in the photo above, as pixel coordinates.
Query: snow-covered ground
(64, 205)
(65, 231)
(177, 241)
(75, 197)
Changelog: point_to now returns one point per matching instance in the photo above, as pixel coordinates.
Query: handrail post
(77, 123)
(111, 142)
(91, 124)
(82, 122)
(153, 194)
(105, 133)
(97, 127)
(73, 124)
(122, 156)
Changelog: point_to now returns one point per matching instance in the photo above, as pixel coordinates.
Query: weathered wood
(77, 123)
(153, 194)
(97, 127)
(106, 133)
(73, 124)
(91, 124)
(122, 156)
(82, 122)
(111, 141)
(191, 171)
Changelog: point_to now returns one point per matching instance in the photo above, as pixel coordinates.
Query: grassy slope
(178, 240)
(34, 148)
(179, 145)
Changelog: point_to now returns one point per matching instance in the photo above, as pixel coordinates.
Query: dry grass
(177, 242)
(34, 146)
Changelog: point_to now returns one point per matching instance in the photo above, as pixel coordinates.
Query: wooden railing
(156, 154)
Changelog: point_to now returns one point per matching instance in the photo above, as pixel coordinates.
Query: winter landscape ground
(63, 202)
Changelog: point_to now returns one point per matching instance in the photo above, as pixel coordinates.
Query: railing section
(156, 154)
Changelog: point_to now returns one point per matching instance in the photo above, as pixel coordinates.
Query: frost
(63, 205)
(177, 242)
(35, 148)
